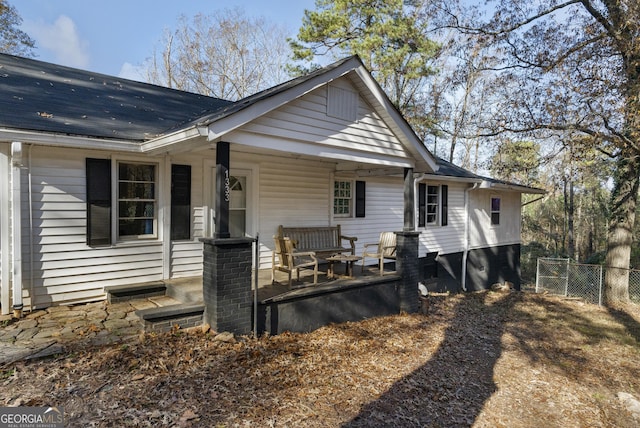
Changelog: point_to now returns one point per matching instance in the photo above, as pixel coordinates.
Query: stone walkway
(46, 332)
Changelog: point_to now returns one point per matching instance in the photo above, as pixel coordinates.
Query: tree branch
(614, 9)
(472, 30)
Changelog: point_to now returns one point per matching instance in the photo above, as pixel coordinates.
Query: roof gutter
(436, 177)
(167, 143)
(64, 140)
(486, 184)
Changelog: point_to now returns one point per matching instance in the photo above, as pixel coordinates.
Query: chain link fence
(566, 278)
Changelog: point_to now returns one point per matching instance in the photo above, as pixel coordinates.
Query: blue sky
(115, 36)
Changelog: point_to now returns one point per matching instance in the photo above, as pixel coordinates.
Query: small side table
(348, 259)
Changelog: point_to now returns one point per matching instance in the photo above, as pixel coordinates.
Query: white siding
(384, 211)
(482, 232)
(306, 119)
(186, 259)
(450, 238)
(186, 255)
(292, 194)
(64, 267)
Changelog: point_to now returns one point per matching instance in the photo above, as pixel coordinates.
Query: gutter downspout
(16, 228)
(32, 305)
(5, 228)
(465, 253)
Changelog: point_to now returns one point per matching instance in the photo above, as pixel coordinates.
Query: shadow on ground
(452, 387)
(630, 323)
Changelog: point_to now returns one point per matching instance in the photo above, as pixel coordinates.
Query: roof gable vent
(342, 103)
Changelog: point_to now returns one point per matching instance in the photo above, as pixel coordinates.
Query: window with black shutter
(98, 172)
(433, 205)
(180, 202)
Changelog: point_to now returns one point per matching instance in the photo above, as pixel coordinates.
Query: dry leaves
(486, 359)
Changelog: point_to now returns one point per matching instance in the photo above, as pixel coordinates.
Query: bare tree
(460, 95)
(224, 55)
(13, 40)
(573, 66)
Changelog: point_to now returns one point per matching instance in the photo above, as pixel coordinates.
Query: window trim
(436, 206)
(441, 211)
(116, 179)
(350, 199)
(492, 211)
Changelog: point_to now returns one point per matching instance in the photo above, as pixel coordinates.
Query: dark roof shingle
(40, 96)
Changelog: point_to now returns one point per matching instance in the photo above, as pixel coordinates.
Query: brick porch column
(226, 284)
(407, 268)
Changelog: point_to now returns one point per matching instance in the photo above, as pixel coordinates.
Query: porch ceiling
(359, 168)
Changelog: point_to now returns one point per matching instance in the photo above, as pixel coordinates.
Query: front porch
(189, 290)
(304, 306)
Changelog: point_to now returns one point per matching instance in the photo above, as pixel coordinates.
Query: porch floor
(189, 290)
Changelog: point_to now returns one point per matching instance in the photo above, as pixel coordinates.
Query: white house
(105, 181)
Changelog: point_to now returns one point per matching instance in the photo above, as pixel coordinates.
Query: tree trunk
(620, 235)
(571, 246)
(565, 208)
(624, 197)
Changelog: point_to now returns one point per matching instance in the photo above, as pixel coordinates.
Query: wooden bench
(324, 241)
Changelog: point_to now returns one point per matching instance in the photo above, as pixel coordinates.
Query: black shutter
(445, 204)
(360, 198)
(180, 202)
(98, 202)
(422, 204)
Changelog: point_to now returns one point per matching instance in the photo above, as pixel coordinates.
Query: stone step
(186, 292)
(122, 293)
(163, 319)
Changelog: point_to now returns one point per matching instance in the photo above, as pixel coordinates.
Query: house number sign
(227, 189)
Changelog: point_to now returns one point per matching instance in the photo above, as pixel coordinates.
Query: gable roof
(39, 96)
(50, 101)
(243, 111)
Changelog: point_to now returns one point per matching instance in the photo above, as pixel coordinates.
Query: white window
(495, 210)
(137, 200)
(342, 198)
(432, 204)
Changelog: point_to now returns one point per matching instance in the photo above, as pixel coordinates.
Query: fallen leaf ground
(487, 359)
